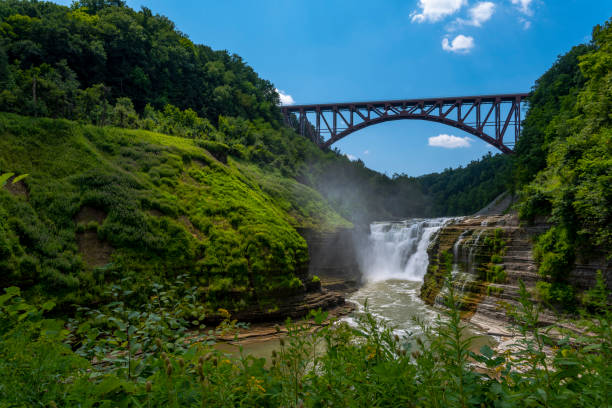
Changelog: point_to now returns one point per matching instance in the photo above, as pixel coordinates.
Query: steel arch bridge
(492, 118)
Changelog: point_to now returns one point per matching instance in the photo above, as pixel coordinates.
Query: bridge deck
(409, 102)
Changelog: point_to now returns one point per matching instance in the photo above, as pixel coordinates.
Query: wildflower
(148, 386)
(181, 362)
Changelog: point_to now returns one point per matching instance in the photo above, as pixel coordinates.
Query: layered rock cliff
(333, 256)
(487, 257)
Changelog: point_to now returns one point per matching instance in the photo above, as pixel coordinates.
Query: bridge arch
(488, 117)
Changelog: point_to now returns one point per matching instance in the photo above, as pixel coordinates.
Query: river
(393, 262)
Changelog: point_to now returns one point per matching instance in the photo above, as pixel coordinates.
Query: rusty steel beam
(423, 109)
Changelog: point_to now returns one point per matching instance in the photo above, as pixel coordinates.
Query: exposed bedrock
(333, 256)
(487, 256)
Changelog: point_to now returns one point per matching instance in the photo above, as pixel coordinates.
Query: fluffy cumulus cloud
(436, 10)
(449, 141)
(366, 152)
(480, 13)
(351, 157)
(524, 6)
(461, 44)
(285, 99)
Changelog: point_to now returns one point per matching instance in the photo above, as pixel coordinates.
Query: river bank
(398, 270)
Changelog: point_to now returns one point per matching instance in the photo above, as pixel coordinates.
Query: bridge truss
(496, 119)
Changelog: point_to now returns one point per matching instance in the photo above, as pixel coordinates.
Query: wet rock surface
(294, 307)
(464, 249)
(333, 254)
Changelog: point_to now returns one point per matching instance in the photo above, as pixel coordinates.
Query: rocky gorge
(487, 256)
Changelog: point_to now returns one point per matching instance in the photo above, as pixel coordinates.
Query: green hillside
(100, 205)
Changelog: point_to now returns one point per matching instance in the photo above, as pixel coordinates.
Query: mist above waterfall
(398, 250)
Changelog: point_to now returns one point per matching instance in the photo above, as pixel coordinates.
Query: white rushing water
(394, 263)
(398, 250)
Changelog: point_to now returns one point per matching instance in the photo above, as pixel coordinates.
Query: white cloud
(285, 99)
(460, 44)
(366, 152)
(524, 6)
(449, 141)
(351, 157)
(526, 23)
(436, 10)
(480, 13)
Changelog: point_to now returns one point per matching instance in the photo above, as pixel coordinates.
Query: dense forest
(563, 165)
(148, 188)
(71, 63)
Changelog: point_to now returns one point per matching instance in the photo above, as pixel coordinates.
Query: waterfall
(394, 261)
(472, 253)
(398, 250)
(460, 276)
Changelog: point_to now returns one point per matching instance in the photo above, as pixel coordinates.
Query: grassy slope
(168, 207)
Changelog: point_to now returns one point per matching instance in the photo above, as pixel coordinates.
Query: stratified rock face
(333, 255)
(487, 257)
(294, 306)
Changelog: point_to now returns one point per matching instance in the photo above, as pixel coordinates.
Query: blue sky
(332, 51)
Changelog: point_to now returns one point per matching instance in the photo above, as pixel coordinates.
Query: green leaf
(4, 178)
(486, 351)
(13, 290)
(108, 384)
(19, 178)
